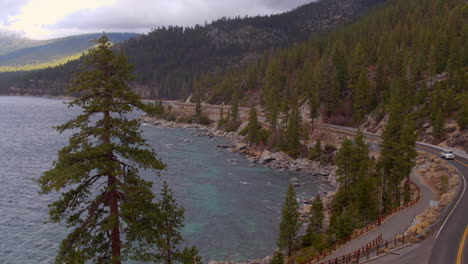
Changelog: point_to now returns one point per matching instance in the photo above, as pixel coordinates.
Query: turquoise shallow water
(232, 209)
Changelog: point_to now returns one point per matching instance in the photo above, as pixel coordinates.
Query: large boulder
(266, 157)
(293, 180)
(241, 146)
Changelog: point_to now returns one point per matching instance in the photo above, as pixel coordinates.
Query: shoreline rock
(279, 161)
(275, 160)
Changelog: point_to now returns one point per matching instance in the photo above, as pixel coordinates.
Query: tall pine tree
(98, 170)
(289, 225)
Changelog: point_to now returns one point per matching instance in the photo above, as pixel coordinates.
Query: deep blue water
(232, 209)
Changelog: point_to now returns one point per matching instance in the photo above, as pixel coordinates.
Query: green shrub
(232, 126)
(263, 135)
(277, 258)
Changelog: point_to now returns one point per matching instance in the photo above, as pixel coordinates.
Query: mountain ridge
(49, 51)
(168, 59)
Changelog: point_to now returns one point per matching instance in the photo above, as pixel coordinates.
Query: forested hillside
(407, 54)
(167, 59)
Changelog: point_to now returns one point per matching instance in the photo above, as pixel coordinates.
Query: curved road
(449, 243)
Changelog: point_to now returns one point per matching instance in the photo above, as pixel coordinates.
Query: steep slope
(168, 59)
(405, 58)
(50, 52)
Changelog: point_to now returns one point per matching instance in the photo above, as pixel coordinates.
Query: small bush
(444, 184)
(244, 131)
(195, 119)
(263, 135)
(329, 149)
(232, 126)
(277, 258)
(169, 116)
(222, 122)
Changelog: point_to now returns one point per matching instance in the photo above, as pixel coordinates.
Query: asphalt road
(449, 247)
(449, 243)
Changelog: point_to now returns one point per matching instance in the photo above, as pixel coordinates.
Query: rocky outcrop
(256, 155)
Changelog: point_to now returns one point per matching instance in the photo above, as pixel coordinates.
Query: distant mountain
(20, 53)
(169, 59)
(10, 42)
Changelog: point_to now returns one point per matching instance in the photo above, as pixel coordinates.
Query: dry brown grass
(432, 170)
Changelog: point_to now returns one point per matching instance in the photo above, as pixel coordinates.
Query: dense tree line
(170, 61)
(368, 188)
(414, 48)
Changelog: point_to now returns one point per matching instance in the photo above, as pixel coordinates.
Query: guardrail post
(358, 253)
(386, 244)
(378, 246)
(403, 239)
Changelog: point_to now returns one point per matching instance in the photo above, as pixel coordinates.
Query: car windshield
(448, 152)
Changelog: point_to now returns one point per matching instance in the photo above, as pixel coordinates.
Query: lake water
(232, 208)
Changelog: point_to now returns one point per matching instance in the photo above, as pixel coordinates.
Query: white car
(447, 154)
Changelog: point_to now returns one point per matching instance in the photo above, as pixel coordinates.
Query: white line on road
(459, 199)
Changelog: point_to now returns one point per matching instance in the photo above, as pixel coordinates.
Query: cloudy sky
(43, 19)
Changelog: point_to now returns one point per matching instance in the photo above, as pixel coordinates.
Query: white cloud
(54, 18)
(35, 16)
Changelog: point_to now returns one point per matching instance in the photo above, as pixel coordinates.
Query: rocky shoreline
(272, 159)
(256, 155)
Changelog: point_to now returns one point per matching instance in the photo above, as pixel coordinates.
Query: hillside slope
(50, 51)
(10, 42)
(405, 58)
(168, 59)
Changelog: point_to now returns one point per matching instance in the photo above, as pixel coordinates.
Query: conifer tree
(171, 221)
(271, 93)
(317, 215)
(293, 129)
(408, 153)
(358, 62)
(462, 117)
(438, 125)
(455, 66)
(253, 125)
(190, 256)
(340, 73)
(278, 258)
(313, 235)
(98, 170)
(316, 152)
(364, 189)
(198, 107)
(289, 225)
(235, 106)
(343, 160)
(361, 93)
(394, 146)
(159, 108)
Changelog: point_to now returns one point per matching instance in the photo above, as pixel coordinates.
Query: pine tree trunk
(114, 212)
(168, 241)
(113, 199)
